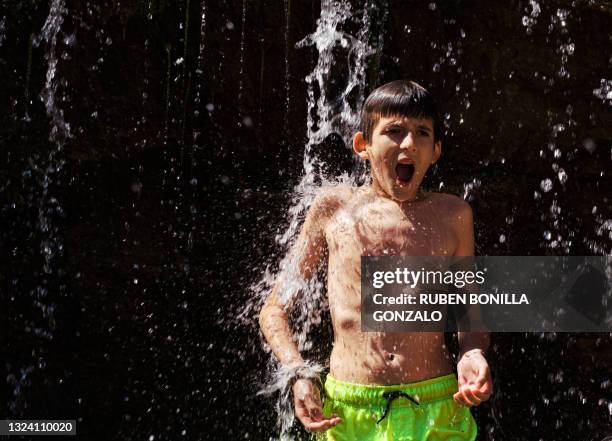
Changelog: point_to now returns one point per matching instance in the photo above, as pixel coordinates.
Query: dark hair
(403, 98)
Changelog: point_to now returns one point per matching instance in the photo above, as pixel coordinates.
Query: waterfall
(50, 180)
(328, 113)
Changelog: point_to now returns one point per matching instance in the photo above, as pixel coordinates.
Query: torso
(369, 225)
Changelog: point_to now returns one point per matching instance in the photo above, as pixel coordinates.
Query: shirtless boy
(387, 386)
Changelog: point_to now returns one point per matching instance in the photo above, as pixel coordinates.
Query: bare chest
(384, 229)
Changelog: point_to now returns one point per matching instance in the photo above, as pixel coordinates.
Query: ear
(359, 145)
(437, 152)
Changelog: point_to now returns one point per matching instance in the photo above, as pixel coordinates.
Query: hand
(308, 409)
(475, 382)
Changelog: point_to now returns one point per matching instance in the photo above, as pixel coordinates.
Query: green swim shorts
(418, 411)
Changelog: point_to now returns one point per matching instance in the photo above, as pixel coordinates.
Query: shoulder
(454, 208)
(330, 199)
(458, 217)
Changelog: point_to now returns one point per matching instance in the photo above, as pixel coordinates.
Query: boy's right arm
(307, 253)
(309, 249)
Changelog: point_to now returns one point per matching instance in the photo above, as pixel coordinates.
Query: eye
(393, 129)
(423, 133)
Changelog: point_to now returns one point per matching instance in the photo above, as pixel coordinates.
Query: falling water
(562, 239)
(241, 76)
(49, 172)
(2, 30)
(604, 228)
(328, 113)
(197, 101)
(287, 71)
(531, 18)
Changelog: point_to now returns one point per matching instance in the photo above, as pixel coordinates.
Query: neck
(418, 197)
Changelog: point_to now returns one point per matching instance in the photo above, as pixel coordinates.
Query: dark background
(127, 247)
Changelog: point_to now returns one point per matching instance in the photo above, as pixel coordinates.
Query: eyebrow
(423, 127)
(400, 123)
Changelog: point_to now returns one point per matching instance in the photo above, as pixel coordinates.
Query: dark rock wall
(178, 175)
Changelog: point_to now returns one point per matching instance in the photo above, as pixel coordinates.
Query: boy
(387, 386)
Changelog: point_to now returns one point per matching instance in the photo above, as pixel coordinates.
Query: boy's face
(401, 151)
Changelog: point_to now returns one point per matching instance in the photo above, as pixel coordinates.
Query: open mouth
(404, 172)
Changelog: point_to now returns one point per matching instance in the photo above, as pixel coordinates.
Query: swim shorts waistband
(434, 389)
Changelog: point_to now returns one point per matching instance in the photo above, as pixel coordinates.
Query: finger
(482, 396)
(474, 399)
(487, 387)
(308, 421)
(305, 419)
(320, 426)
(466, 398)
(459, 399)
(485, 392)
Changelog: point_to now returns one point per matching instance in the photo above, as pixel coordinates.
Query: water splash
(556, 228)
(530, 20)
(49, 173)
(331, 110)
(604, 91)
(51, 245)
(197, 103)
(2, 30)
(287, 68)
(241, 74)
(334, 113)
(469, 187)
(60, 129)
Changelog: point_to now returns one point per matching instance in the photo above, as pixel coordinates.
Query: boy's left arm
(473, 373)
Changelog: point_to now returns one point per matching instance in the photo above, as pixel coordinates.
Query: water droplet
(229, 25)
(562, 176)
(589, 145)
(502, 238)
(546, 185)
(247, 121)
(436, 67)
(210, 107)
(547, 235)
(432, 6)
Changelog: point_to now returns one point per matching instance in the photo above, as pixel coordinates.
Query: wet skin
(391, 216)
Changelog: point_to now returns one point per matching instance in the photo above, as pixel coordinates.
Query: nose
(408, 142)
